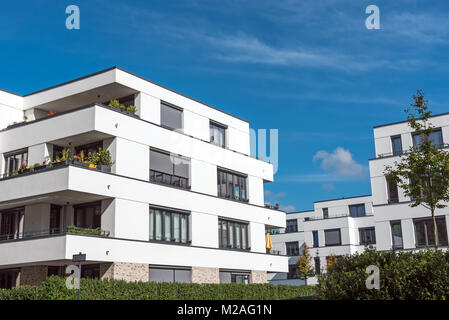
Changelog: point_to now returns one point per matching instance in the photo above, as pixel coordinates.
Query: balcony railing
(53, 232)
(169, 179)
(404, 152)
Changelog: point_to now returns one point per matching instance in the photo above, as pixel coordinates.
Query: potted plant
(37, 166)
(24, 168)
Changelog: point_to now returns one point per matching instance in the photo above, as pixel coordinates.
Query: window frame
(357, 205)
(165, 104)
(23, 154)
(389, 189)
(84, 206)
(427, 244)
(339, 237)
(222, 234)
(218, 125)
(293, 227)
(317, 243)
(292, 252)
(414, 134)
(362, 240)
(325, 213)
(242, 184)
(171, 212)
(392, 145)
(175, 180)
(396, 222)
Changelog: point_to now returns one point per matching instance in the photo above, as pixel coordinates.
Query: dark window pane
(396, 232)
(315, 239)
(393, 194)
(332, 237)
(325, 213)
(357, 210)
(217, 135)
(171, 117)
(231, 185)
(161, 162)
(397, 145)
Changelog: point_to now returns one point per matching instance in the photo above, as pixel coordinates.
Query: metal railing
(169, 179)
(404, 152)
(53, 232)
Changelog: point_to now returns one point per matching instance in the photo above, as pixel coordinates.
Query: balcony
(52, 233)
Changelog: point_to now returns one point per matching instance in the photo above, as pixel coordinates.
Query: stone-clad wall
(205, 275)
(258, 276)
(130, 272)
(33, 275)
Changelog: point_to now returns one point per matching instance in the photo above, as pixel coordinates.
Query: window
(317, 265)
(171, 116)
(57, 152)
(436, 137)
(169, 169)
(234, 277)
(88, 215)
(396, 144)
(292, 248)
(424, 232)
(233, 234)
(316, 242)
(55, 219)
(332, 237)
(367, 236)
(10, 223)
(217, 134)
(292, 225)
(169, 225)
(396, 232)
(90, 271)
(161, 274)
(292, 271)
(8, 278)
(57, 271)
(393, 194)
(325, 213)
(231, 185)
(357, 210)
(14, 160)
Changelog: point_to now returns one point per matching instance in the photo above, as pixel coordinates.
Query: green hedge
(403, 275)
(91, 289)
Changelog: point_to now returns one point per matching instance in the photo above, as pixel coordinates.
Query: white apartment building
(382, 221)
(183, 200)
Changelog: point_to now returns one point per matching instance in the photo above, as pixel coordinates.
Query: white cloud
(328, 187)
(288, 208)
(339, 162)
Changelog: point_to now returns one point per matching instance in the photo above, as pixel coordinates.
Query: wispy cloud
(272, 198)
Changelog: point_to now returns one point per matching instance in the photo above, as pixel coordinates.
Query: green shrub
(403, 275)
(54, 288)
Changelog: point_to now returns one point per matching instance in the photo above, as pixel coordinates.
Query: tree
(304, 264)
(423, 171)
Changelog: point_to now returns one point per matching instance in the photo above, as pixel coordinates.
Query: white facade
(125, 194)
(387, 210)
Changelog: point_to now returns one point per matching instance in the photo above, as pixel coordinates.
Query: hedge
(54, 288)
(403, 275)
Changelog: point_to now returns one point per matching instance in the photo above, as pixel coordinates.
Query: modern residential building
(182, 201)
(381, 221)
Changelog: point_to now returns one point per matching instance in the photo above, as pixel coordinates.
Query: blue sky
(307, 68)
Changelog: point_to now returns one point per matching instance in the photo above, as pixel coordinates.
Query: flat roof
(403, 121)
(344, 198)
(121, 69)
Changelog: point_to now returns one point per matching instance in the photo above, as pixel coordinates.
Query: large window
(169, 169)
(88, 215)
(233, 234)
(14, 160)
(317, 265)
(217, 134)
(396, 233)
(332, 237)
(292, 248)
(424, 232)
(316, 242)
(231, 185)
(8, 278)
(357, 210)
(171, 116)
(55, 219)
(233, 276)
(292, 225)
(436, 137)
(169, 225)
(393, 194)
(396, 144)
(162, 274)
(10, 223)
(367, 236)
